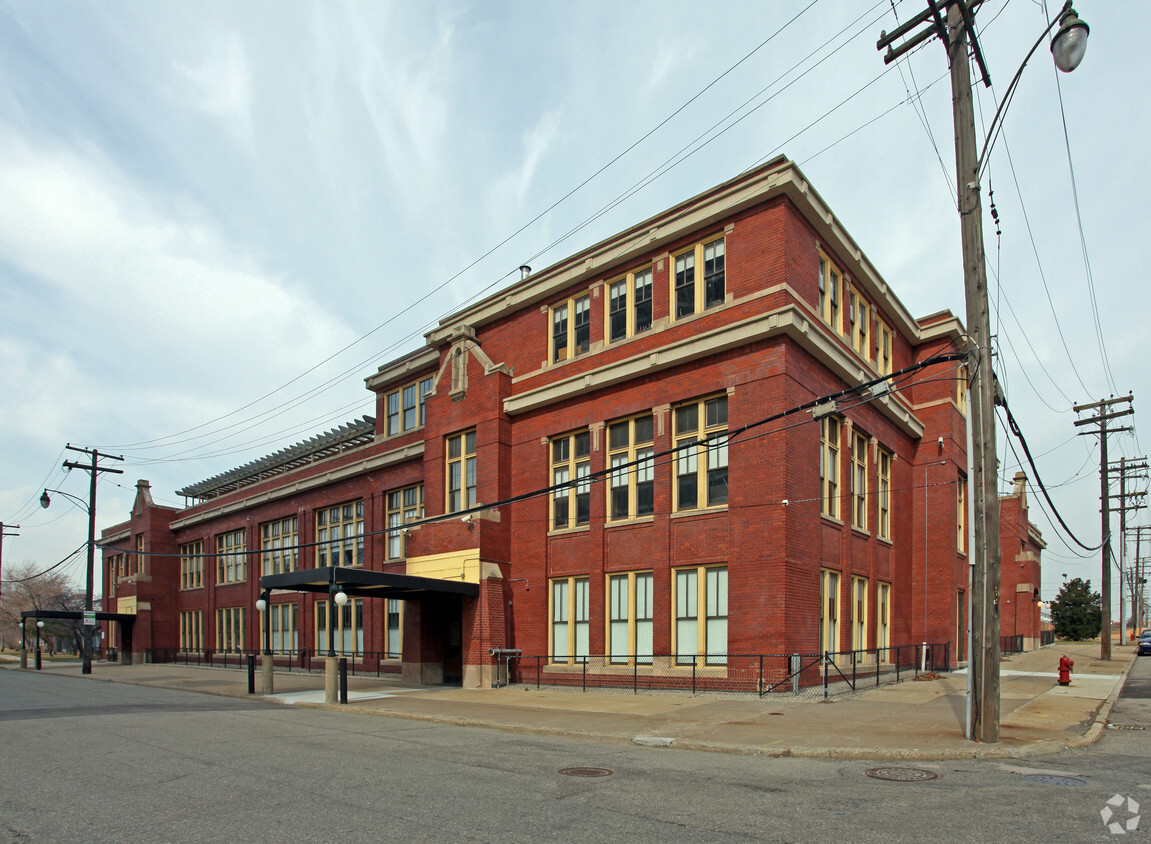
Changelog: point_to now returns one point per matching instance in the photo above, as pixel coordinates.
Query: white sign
(89, 618)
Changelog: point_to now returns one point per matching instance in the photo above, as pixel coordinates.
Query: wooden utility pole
(1101, 419)
(1127, 471)
(3, 532)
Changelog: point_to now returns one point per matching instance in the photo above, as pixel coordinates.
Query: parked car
(1143, 645)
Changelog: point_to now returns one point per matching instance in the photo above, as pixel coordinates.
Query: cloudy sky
(217, 218)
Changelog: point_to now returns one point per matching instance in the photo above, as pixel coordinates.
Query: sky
(217, 218)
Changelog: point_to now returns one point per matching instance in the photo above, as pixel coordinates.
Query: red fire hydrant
(1065, 664)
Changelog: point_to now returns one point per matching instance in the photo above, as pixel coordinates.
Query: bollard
(251, 674)
(37, 659)
(343, 679)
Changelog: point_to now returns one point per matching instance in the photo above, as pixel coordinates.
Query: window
(828, 611)
(570, 620)
(858, 613)
(629, 305)
(829, 465)
(690, 297)
(961, 514)
(630, 618)
(461, 484)
(230, 629)
(886, 458)
(141, 558)
(403, 505)
(191, 630)
(574, 339)
(883, 342)
(393, 630)
(231, 557)
(701, 467)
(961, 389)
(110, 579)
(192, 565)
(284, 638)
(632, 485)
(830, 283)
(340, 535)
(695, 588)
(883, 620)
(279, 541)
(404, 407)
(859, 319)
(349, 627)
(571, 459)
(859, 480)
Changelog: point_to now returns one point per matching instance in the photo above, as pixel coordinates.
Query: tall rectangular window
(688, 294)
(701, 454)
(700, 587)
(570, 620)
(348, 635)
(393, 631)
(279, 540)
(403, 506)
(284, 638)
(461, 467)
(858, 613)
(861, 325)
(571, 461)
(961, 514)
(231, 557)
(886, 458)
(141, 556)
(192, 565)
(571, 328)
(629, 305)
(191, 630)
(630, 618)
(883, 343)
(828, 611)
(830, 284)
(859, 480)
(829, 427)
(404, 407)
(883, 620)
(961, 389)
(631, 492)
(231, 629)
(340, 535)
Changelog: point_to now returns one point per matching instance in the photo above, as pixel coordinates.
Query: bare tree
(26, 588)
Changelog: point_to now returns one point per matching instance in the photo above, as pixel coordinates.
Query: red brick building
(1020, 546)
(630, 454)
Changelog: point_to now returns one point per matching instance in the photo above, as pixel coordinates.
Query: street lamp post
(957, 33)
(264, 607)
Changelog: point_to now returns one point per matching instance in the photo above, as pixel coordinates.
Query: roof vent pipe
(525, 271)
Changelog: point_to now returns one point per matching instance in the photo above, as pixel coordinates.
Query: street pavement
(914, 719)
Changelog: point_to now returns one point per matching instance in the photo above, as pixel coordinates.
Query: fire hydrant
(1065, 664)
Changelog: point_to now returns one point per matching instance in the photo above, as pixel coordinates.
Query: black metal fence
(307, 661)
(1011, 644)
(796, 674)
(1046, 637)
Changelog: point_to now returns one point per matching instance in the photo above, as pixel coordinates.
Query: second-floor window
(629, 305)
(883, 338)
(830, 282)
(231, 557)
(632, 485)
(340, 535)
(461, 480)
(404, 505)
(192, 565)
(571, 328)
(699, 278)
(961, 514)
(701, 469)
(279, 541)
(829, 465)
(571, 461)
(405, 407)
(859, 480)
(859, 329)
(884, 477)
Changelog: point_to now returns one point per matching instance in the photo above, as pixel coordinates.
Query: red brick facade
(755, 342)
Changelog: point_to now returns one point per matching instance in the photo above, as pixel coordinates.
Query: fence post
(826, 662)
(796, 663)
(635, 674)
(251, 674)
(694, 663)
(760, 680)
(584, 679)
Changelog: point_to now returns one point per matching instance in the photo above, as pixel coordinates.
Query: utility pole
(1101, 419)
(1127, 470)
(1137, 588)
(95, 469)
(3, 533)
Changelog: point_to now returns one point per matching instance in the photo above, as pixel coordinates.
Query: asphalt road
(89, 761)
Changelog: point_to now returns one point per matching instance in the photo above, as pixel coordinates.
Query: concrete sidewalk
(913, 719)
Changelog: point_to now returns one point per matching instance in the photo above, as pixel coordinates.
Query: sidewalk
(914, 719)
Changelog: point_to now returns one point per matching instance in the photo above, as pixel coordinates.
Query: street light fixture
(1070, 42)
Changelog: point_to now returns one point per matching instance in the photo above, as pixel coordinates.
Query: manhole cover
(901, 774)
(1054, 779)
(585, 772)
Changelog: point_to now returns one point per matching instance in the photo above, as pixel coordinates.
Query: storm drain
(901, 774)
(1054, 779)
(586, 772)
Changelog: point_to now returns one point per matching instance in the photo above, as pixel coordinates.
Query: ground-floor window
(859, 613)
(191, 630)
(828, 611)
(570, 620)
(700, 588)
(883, 619)
(393, 630)
(284, 637)
(349, 627)
(230, 629)
(630, 617)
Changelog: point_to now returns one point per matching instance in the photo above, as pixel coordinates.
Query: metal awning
(362, 583)
(76, 615)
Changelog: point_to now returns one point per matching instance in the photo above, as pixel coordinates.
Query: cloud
(221, 85)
